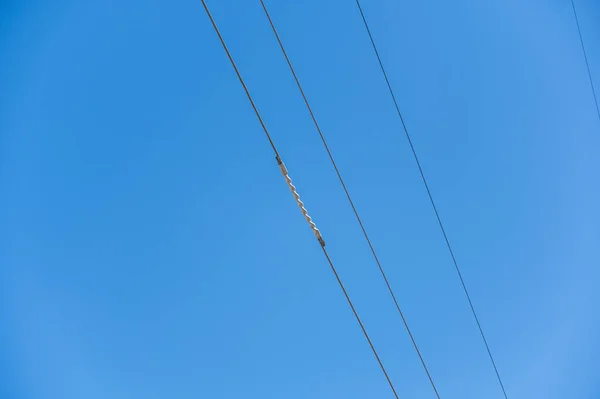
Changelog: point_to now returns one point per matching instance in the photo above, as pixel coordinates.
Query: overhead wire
(424, 180)
(300, 204)
(587, 64)
(356, 214)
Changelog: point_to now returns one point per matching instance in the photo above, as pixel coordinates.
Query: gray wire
(321, 242)
(437, 215)
(587, 64)
(314, 119)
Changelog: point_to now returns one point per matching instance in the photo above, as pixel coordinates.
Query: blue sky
(149, 247)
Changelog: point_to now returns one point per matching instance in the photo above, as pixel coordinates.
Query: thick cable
(587, 64)
(300, 204)
(437, 215)
(339, 280)
(358, 218)
(237, 72)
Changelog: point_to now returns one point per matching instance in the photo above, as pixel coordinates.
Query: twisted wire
(288, 180)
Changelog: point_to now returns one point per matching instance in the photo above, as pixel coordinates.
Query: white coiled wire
(288, 180)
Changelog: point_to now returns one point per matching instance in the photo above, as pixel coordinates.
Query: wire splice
(300, 203)
(288, 180)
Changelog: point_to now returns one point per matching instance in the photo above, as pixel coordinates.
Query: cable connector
(288, 180)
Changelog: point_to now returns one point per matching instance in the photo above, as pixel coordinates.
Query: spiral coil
(288, 180)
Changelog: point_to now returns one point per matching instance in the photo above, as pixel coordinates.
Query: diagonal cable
(300, 203)
(587, 64)
(437, 215)
(314, 119)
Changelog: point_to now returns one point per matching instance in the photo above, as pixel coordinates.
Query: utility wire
(240, 78)
(314, 119)
(586, 59)
(359, 321)
(437, 215)
(288, 180)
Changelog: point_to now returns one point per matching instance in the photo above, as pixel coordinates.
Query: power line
(300, 204)
(241, 80)
(359, 322)
(314, 119)
(437, 215)
(586, 59)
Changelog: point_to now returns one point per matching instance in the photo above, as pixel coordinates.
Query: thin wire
(437, 215)
(314, 119)
(586, 59)
(339, 280)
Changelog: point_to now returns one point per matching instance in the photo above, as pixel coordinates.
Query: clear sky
(149, 247)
